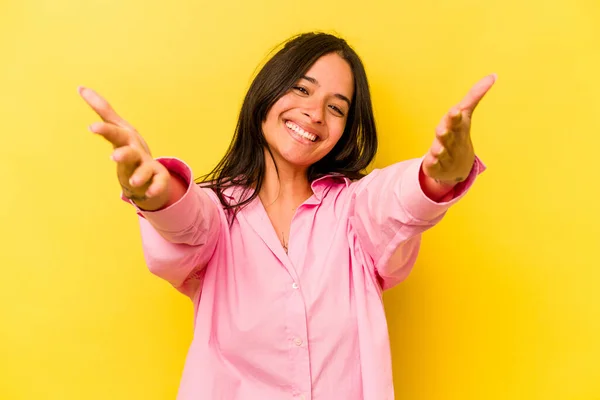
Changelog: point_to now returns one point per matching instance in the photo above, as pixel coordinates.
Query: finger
(437, 147)
(127, 156)
(160, 180)
(444, 155)
(455, 117)
(445, 132)
(451, 121)
(437, 164)
(116, 135)
(142, 175)
(472, 99)
(430, 162)
(446, 138)
(102, 107)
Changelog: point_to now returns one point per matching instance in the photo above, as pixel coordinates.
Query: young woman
(285, 248)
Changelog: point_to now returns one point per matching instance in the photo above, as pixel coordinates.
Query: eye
(337, 110)
(300, 89)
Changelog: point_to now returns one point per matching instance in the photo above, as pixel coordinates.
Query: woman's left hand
(451, 156)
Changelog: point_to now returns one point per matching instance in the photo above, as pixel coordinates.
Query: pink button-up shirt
(309, 324)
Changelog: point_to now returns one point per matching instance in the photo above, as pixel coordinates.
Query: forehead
(333, 74)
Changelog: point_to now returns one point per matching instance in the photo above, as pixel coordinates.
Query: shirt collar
(321, 185)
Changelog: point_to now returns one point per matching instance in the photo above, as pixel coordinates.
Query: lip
(299, 138)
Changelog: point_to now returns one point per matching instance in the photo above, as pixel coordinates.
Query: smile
(300, 133)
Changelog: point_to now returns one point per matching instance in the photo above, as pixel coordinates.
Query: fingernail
(495, 76)
(80, 89)
(94, 127)
(132, 181)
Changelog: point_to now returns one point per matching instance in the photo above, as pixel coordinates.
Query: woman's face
(307, 122)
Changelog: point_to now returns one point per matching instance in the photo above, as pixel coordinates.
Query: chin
(299, 162)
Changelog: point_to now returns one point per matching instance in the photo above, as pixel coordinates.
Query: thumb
(474, 96)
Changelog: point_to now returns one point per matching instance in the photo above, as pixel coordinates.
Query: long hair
(244, 162)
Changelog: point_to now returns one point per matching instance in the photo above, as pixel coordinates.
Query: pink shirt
(309, 324)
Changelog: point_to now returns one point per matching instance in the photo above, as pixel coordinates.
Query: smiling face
(307, 122)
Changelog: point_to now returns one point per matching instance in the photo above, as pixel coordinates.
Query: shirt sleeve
(390, 212)
(178, 241)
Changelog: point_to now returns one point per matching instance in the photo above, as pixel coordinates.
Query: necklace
(283, 242)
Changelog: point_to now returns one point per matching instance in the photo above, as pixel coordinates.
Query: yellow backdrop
(505, 300)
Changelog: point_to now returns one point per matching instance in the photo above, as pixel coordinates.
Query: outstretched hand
(143, 179)
(451, 156)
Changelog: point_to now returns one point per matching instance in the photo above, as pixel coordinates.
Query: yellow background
(505, 300)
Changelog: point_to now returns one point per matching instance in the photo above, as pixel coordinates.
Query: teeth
(301, 131)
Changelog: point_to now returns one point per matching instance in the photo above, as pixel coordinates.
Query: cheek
(283, 104)
(275, 112)
(337, 130)
(269, 125)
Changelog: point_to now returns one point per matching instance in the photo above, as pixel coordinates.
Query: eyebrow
(338, 95)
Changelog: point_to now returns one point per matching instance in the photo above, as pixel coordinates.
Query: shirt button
(295, 285)
(298, 342)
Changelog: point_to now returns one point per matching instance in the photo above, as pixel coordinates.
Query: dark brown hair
(244, 162)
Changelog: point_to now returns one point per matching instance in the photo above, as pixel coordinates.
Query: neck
(289, 187)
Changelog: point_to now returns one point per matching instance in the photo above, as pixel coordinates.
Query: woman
(285, 248)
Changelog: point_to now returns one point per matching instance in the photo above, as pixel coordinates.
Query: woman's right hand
(144, 180)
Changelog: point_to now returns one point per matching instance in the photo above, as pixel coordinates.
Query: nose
(315, 112)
